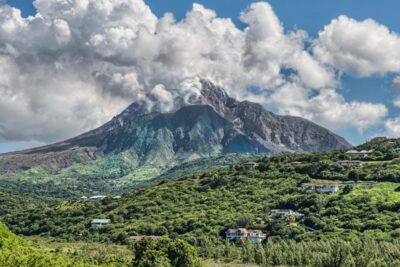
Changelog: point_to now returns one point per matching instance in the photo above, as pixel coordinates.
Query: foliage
(357, 226)
(165, 252)
(109, 174)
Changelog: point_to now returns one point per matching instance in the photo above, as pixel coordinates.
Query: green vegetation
(164, 253)
(110, 174)
(357, 226)
(14, 251)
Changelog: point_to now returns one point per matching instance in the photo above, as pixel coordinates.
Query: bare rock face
(271, 131)
(212, 124)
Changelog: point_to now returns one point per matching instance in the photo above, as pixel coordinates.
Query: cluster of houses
(255, 235)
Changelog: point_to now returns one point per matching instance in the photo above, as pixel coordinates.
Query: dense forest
(357, 226)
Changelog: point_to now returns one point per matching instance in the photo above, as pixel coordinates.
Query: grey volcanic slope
(212, 124)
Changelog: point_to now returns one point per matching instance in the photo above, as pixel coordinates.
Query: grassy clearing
(92, 251)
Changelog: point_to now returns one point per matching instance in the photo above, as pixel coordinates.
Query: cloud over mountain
(77, 63)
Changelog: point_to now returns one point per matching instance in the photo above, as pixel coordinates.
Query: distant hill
(143, 143)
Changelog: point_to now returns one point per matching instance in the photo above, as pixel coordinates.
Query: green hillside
(362, 215)
(14, 251)
(115, 173)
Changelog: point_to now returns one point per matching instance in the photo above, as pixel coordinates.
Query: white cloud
(360, 47)
(327, 107)
(396, 83)
(396, 101)
(392, 127)
(77, 63)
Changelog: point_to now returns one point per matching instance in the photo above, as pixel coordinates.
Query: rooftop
(360, 152)
(320, 184)
(101, 221)
(244, 230)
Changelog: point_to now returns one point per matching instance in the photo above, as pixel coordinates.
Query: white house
(100, 223)
(278, 213)
(362, 153)
(321, 187)
(350, 163)
(253, 235)
(83, 199)
(97, 198)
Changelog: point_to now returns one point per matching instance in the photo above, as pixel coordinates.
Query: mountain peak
(205, 121)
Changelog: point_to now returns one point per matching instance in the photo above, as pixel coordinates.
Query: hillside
(144, 142)
(211, 202)
(112, 174)
(14, 251)
(361, 219)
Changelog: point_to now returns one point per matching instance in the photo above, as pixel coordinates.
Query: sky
(69, 66)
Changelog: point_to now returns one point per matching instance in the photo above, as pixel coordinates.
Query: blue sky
(309, 15)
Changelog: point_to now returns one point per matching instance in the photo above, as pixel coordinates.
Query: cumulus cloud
(392, 127)
(327, 107)
(358, 47)
(77, 63)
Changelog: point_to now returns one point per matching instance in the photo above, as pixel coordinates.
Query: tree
(245, 220)
(165, 252)
(347, 189)
(353, 175)
(154, 258)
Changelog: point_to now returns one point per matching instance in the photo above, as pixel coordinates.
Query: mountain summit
(206, 123)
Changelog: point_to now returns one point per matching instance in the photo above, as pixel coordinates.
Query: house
(296, 162)
(140, 237)
(278, 213)
(359, 154)
(83, 199)
(350, 163)
(250, 165)
(310, 229)
(100, 223)
(254, 236)
(321, 187)
(97, 198)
